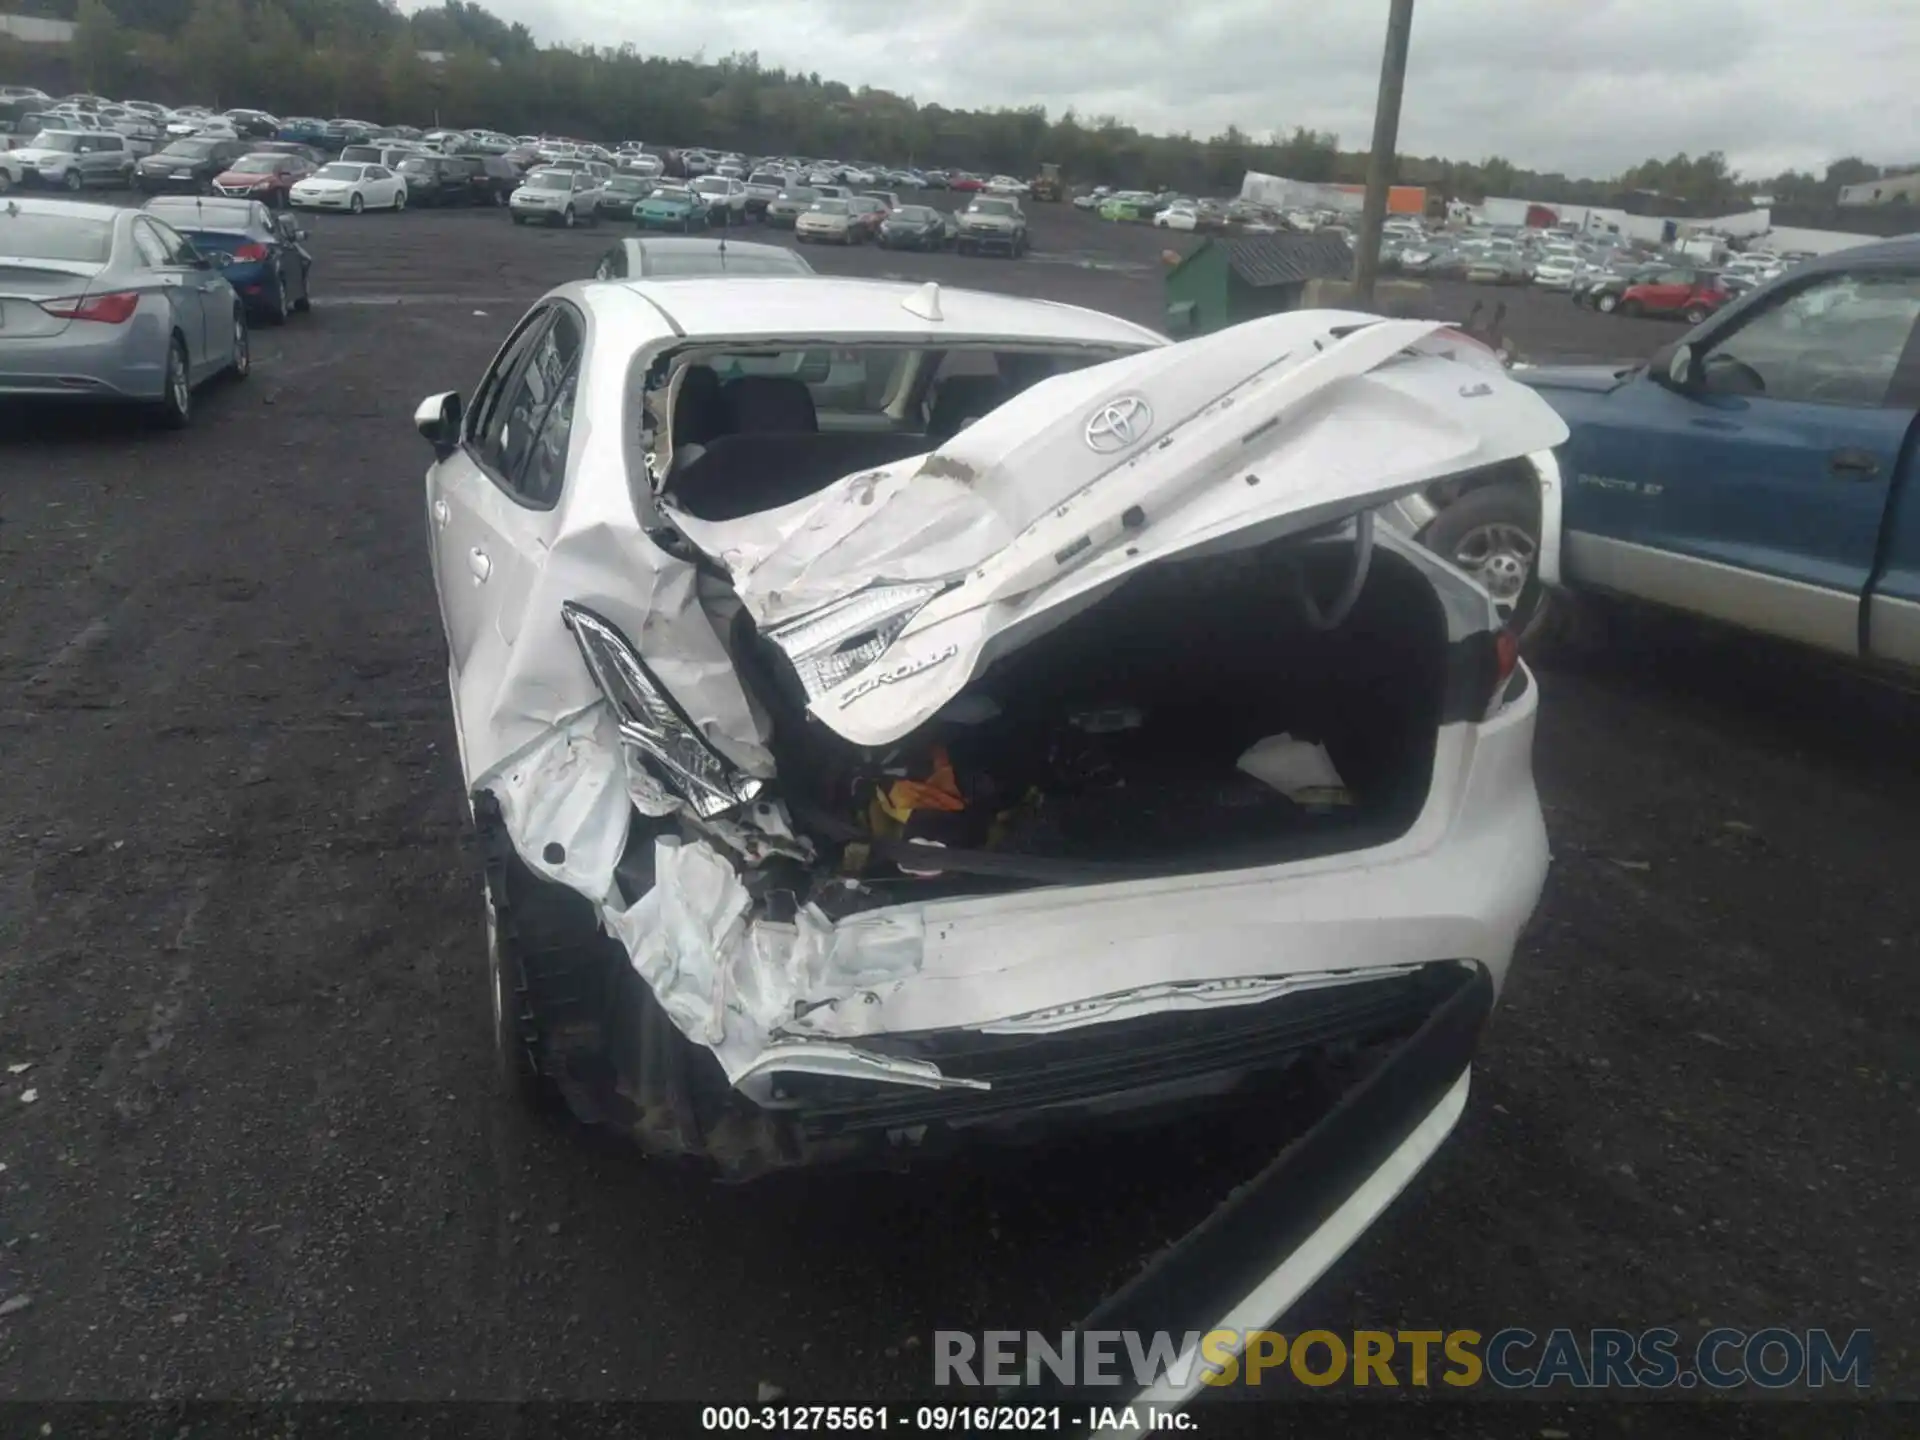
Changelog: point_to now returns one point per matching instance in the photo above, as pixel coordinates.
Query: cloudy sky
(1583, 86)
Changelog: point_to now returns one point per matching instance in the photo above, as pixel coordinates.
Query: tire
(357, 204)
(278, 308)
(399, 201)
(1632, 309)
(6, 182)
(516, 1070)
(499, 199)
(174, 409)
(75, 181)
(1484, 533)
(1607, 304)
(569, 220)
(242, 365)
(1694, 314)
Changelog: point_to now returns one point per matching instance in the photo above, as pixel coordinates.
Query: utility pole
(1386, 136)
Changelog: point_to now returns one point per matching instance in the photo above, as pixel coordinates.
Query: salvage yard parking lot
(258, 1152)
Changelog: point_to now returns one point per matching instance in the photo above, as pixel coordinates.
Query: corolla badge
(1118, 424)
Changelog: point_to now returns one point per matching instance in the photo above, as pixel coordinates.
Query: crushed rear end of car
(1103, 765)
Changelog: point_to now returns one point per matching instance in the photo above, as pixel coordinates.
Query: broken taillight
(666, 755)
(249, 252)
(112, 309)
(1506, 661)
(1506, 654)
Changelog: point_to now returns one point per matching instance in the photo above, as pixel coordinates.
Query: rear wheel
(1493, 535)
(1607, 304)
(277, 306)
(1695, 314)
(399, 201)
(174, 410)
(242, 363)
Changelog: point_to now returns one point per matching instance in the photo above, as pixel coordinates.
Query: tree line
(362, 58)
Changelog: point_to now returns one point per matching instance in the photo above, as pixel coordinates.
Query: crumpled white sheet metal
(1023, 515)
(728, 981)
(991, 508)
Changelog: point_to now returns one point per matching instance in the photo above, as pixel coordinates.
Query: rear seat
(737, 475)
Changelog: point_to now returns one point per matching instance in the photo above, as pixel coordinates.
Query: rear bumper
(123, 362)
(1259, 1252)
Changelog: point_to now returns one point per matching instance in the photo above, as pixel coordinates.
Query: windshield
(993, 207)
(337, 172)
(188, 150)
(28, 236)
(800, 193)
(54, 140)
(766, 177)
(711, 186)
(416, 167)
(829, 207)
(550, 180)
(918, 214)
(256, 164)
(673, 195)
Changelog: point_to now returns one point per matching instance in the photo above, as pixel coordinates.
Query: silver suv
(75, 159)
(992, 224)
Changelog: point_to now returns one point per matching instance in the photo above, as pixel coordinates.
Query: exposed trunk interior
(1108, 747)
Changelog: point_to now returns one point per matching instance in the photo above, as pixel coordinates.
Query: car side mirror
(438, 418)
(1680, 367)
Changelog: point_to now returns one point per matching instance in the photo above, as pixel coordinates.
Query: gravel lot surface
(257, 1153)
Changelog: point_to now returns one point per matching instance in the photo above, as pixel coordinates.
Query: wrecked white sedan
(898, 714)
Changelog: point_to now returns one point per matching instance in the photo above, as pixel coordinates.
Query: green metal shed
(1224, 282)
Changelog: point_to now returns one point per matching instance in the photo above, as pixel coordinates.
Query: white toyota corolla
(896, 714)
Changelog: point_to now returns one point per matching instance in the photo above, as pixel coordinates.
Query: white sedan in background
(346, 186)
(1178, 216)
(1006, 185)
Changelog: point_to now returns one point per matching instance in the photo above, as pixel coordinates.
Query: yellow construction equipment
(1046, 185)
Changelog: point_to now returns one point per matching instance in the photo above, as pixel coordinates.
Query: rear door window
(534, 448)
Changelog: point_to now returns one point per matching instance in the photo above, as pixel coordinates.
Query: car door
(508, 497)
(162, 253)
(458, 486)
(1668, 291)
(1774, 465)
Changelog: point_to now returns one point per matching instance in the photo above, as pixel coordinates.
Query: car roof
(816, 306)
(1901, 249)
(73, 209)
(200, 208)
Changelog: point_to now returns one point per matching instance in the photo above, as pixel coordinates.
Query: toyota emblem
(1118, 423)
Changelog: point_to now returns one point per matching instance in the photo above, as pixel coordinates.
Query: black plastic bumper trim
(1198, 1281)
